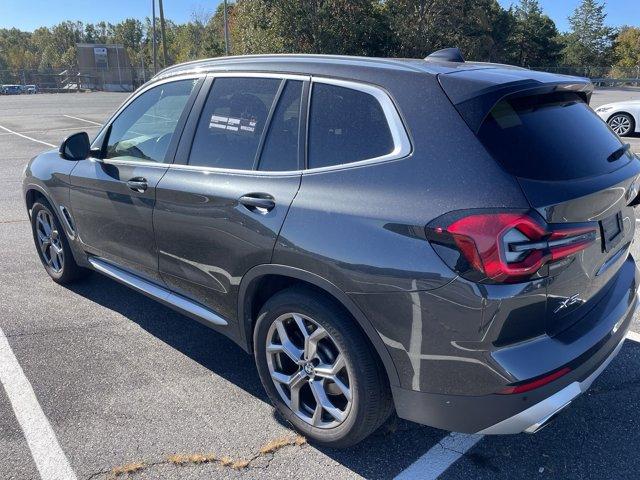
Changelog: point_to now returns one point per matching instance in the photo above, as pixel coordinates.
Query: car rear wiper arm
(619, 152)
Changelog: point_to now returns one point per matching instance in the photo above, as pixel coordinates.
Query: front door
(220, 207)
(113, 194)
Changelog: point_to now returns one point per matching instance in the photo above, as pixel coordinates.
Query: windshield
(550, 137)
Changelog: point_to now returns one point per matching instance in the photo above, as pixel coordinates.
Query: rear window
(550, 137)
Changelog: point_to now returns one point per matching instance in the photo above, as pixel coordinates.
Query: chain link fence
(128, 79)
(74, 80)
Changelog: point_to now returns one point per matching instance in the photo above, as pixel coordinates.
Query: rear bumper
(587, 349)
(537, 416)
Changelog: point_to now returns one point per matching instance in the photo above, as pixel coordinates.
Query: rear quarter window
(550, 137)
(346, 125)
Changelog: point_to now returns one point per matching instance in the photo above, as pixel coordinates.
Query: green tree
(589, 42)
(534, 36)
(420, 27)
(348, 27)
(627, 50)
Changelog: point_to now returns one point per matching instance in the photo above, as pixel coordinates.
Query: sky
(619, 12)
(31, 14)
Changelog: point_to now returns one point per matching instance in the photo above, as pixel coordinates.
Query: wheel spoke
(288, 348)
(54, 259)
(319, 393)
(311, 343)
(295, 384)
(328, 371)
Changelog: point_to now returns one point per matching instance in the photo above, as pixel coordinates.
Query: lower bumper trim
(537, 416)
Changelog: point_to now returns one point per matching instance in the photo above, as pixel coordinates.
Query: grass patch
(127, 469)
(275, 445)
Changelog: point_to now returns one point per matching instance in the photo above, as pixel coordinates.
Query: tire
(63, 269)
(622, 123)
(331, 332)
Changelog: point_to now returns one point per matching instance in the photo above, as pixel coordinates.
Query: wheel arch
(263, 281)
(32, 192)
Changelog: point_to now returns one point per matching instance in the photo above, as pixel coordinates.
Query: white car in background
(622, 117)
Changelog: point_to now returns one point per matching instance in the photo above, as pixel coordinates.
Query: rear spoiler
(475, 92)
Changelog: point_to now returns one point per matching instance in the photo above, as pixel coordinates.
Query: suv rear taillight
(504, 247)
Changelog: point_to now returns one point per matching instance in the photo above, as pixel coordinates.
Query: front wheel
(622, 123)
(52, 245)
(319, 370)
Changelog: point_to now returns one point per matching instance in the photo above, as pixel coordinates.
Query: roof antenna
(446, 55)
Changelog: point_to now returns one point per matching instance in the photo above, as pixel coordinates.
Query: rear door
(220, 207)
(576, 173)
(113, 192)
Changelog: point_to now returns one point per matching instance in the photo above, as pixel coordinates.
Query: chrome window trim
(282, 76)
(402, 143)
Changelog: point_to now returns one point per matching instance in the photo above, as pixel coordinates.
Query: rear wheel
(622, 123)
(53, 246)
(319, 370)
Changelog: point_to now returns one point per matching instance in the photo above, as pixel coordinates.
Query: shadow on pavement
(391, 449)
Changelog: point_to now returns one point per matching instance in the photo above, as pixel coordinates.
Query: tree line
(485, 31)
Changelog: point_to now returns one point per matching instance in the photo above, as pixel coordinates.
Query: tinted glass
(143, 131)
(549, 137)
(345, 126)
(280, 151)
(232, 122)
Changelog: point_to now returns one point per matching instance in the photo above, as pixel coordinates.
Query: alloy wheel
(309, 370)
(49, 241)
(621, 124)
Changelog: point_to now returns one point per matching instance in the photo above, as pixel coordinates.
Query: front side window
(232, 122)
(144, 129)
(345, 126)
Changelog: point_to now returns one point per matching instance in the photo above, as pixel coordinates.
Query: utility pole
(226, 30)
(164, 38)
(153, 39)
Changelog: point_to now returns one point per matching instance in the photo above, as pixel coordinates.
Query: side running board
(157, 292)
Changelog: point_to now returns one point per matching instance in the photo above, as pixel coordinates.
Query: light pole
(153, 38)
(164, 38)
(226, 30)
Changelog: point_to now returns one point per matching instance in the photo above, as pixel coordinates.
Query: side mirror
(75, 147)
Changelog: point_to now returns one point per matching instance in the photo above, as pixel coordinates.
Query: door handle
(138, 184)
(261, 204)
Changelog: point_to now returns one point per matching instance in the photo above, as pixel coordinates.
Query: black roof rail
(446, 55)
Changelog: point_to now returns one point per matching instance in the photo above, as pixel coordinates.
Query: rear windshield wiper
(619, 152)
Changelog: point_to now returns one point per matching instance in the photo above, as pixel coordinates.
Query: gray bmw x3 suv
(444, 239)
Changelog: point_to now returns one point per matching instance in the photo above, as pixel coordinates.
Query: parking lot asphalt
(129, 385)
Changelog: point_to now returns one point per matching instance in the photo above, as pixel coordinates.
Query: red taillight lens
(528, 386)
(510, 247)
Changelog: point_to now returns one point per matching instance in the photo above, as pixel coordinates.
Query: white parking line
(447, 451)
(82, 119)
(440, 457)
(49, 458)
(28, 138)
(633, 336)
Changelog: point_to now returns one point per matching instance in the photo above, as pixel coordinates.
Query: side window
(232, 122)
(345, 126)
(144, 129)
(280, 151)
